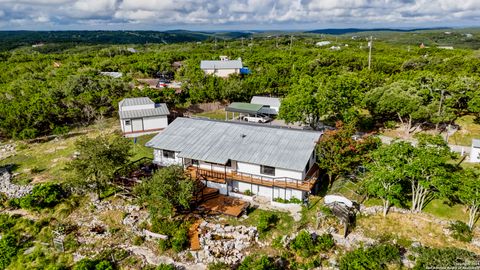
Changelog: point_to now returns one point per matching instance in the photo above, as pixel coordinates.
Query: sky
(216, 15)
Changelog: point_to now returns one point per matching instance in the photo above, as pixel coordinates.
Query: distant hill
(13, 39)
(341, 31)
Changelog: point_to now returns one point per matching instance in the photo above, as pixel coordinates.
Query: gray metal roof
(115, 75)
(159, 110)
(270, 101)
(219, 141)
(218, 64)
(476, 143)
(135, 102)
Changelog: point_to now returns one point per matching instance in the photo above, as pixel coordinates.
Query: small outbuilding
(475, 151)
(140, 116)
(271, 105)
(221, 68)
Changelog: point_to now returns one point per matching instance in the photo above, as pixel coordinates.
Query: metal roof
(159, 110)
(219, 141)
(218, 64)
(243, 107)
(270, 101)
(115, 75)
(135, 102)
(476, 143)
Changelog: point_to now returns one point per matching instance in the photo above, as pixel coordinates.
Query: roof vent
(243, 136)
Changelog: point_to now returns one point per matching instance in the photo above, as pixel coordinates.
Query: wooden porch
(281, 182)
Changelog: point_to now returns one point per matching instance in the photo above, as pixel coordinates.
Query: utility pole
(215, 43)
(370, 45)
(291, 42)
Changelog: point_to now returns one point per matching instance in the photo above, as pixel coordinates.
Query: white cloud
(219, 13)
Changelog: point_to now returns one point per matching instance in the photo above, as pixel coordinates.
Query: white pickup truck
(256, 119)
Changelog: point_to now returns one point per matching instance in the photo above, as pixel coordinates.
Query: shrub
(266, 221)
(305, 245)
(376, 257)
(164, 266)
(295, 200)
(89, 264)
(180, 240)
(8, 249)
(138, 240)
(164, 244)
(253, 262)
(218, 266)
(444, 258)
(461, 231)
(248, 192)
(43, 196)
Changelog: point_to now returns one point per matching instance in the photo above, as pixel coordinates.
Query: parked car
(257, 119)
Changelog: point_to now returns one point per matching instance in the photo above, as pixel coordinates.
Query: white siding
(221, 72)
(475, 154)
(155, 122)
(266, 192)
(222, 188)
(158, 158)
(249, 168)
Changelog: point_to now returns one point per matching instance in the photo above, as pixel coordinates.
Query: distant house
(139, 116)
(271, 105)
(236, 158)
(115, 75)
(475, 151)
(221, 68)
(132, 50)
(322, 43)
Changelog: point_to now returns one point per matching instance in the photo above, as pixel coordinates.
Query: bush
(8, 249)
(164, 245)
(248, 192)
(89, 264)
(461, 231)
(444, 258)
(43, 196)
(253, 262)
(376, 257)
(180, 240)
(266, 221)
(292, 200)
(218, 266)
(164, 266)
(305, 245)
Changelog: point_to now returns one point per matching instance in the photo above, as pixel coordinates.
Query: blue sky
(234, 14)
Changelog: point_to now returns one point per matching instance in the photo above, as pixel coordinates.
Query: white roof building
(139, 116)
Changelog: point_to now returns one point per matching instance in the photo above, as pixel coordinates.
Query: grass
(284, 226)
(440, 209)
(468, 130)
(217, 114)
(46, 161)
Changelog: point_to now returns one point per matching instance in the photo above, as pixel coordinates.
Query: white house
(271, 105)
(140, 116)
(475, 151)
(235, 158)
(221, 68)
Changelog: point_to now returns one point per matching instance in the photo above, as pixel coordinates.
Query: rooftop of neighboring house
(220, 141)
(140, 107)
(112, 74)
(270, 101)
(219, 64)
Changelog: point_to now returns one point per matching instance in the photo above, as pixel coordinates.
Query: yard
(216, 115)
(46, 161)
(469, 129)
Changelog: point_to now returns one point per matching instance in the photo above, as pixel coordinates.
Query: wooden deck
(282, 182)
(193, 234)
(224, 205)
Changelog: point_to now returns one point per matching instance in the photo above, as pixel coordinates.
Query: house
(235, 158)
(222, 68)
(322, 43)
(475, 151)
(140, 116)
(114, 75)
(271, 105)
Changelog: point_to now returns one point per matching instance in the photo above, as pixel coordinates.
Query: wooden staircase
(203, 193)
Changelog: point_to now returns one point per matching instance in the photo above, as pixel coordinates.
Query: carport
(242, 108)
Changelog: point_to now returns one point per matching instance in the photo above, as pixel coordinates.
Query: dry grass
(412, 227)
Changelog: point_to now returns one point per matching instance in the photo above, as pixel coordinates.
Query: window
(194, 162)
(229, 163)
(127, 122)
(267, 170)
(168, 154)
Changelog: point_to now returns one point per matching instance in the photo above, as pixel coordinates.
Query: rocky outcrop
(10, 189)
(225, 244)
(6, 150)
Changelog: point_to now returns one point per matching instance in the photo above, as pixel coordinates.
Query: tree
(386, 173)
(168, 190)
(302, 104)
(399, 99)
(98, 160)
(427, 169)
(469, 193)
(338, 153)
